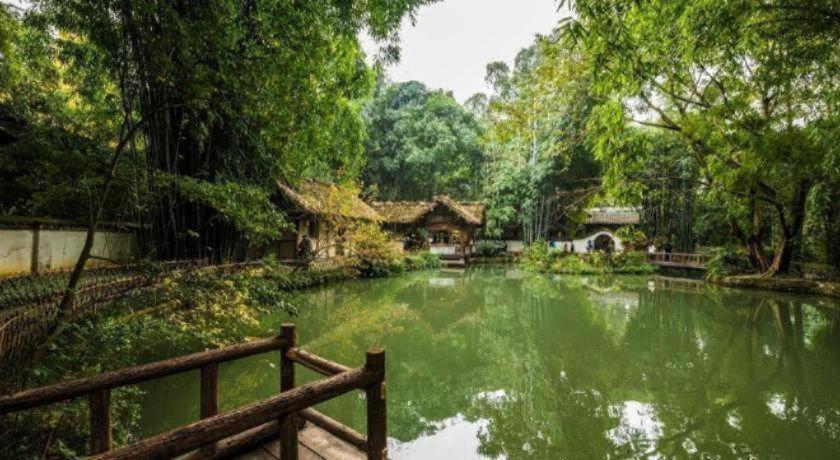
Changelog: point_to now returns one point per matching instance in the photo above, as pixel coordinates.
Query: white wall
(515, 246)
(15, 251)
(580, 244)
(59, 249)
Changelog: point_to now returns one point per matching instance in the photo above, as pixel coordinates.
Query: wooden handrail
(219, 435)
(316, 363)
(195, 435)
(79, 387)
(685, 258)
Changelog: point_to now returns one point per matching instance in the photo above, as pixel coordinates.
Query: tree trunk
(790, 241)
(755, 242)
(831, 224)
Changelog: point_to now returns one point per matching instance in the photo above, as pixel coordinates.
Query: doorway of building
(441, 237)
(604, 242)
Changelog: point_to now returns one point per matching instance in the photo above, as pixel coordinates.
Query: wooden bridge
(285, 425)
(677, 260)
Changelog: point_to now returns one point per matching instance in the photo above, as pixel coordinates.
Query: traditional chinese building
(446, 226)
(311, 207)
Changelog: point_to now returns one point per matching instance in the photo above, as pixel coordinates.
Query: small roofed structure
(445, 225)
(599, 228)
(309, 206)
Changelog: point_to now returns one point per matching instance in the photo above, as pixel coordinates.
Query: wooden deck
(314, 443)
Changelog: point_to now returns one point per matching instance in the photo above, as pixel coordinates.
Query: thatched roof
(475, 208)
(404, 212)
(457, 208)
(322, 198)
(612, 216)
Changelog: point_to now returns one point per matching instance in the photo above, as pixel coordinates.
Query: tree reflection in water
(497, 363)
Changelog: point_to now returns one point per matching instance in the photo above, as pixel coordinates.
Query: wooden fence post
(210, 390)
(100, 421)
(377, 430)
(209, 397)
(288, 424)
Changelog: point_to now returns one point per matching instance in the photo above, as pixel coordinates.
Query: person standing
(304, 249)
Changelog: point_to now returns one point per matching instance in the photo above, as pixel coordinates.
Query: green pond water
(497, 363)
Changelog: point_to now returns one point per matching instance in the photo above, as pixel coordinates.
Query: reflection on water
(496, 363)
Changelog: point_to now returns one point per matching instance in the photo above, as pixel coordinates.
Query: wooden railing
(677, 259)
(219, 435)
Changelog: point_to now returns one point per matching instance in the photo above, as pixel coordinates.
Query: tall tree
(538, 152)
(231, 91)
(752, 99)
(422, 143)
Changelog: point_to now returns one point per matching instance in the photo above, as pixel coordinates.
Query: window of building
(313, 228)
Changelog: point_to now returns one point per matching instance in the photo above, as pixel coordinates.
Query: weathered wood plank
(327, 446)
(335, 428)
(245, 441)
(316, 363)
(315, 444)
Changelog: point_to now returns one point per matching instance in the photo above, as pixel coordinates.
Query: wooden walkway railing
(219, 435)
(677, 259)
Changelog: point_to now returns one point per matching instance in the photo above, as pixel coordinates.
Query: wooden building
(444, 225)
(313, 207)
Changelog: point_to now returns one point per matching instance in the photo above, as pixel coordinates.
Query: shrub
(573, 264)
(539, 257)
(373, 252)
(490, 248)
(729, 260)
(631, 236)
(423, 260)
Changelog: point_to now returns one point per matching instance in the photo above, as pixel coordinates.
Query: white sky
(452, 41)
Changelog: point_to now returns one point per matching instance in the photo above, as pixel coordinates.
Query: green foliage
(540, 257)
(422, 143)
(728, 260)
(490, 248)
(538, 156)
(58, 115)
(223, 92)
(630, 235)
(248, 207)
(738, 66)
(423, 260)
(375, 255)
